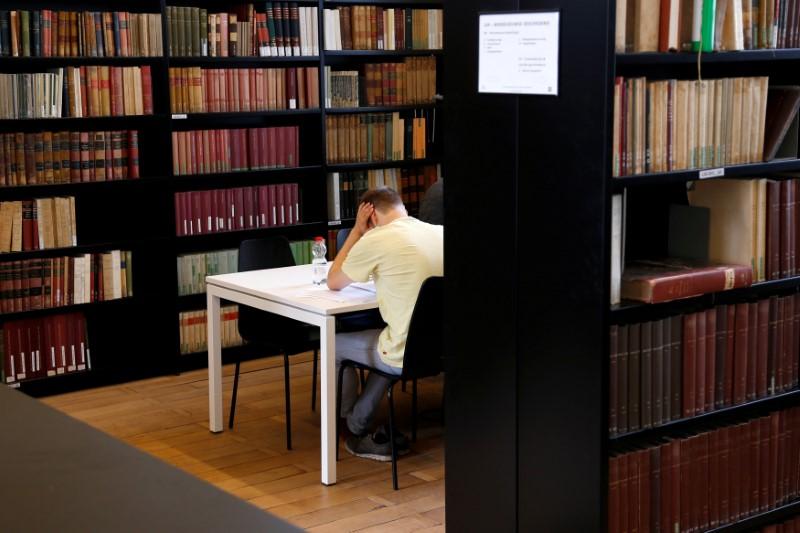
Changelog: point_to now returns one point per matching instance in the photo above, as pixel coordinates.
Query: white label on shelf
(179, 116)
(334, 222)
(292, 103)
(712, 173)
(14, 385)
(518, 53)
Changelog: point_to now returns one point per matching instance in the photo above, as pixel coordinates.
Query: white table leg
(214, 363)
(328, 401)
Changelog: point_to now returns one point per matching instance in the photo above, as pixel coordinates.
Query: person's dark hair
(383, 199)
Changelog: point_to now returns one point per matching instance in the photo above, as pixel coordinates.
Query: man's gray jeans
(362, 347)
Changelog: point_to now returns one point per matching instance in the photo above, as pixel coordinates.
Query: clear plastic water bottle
(319, 263)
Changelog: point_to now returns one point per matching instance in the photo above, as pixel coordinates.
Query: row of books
(213, 151)
(283, 29)
(708, 479)
(412, 81)
(193, 269)
(77, 92)
(683, 366)
(46, 33)
(223, 210)
(44, 283)
(194, 330)
(668, 125)
(201, 90)
(333, 243)
(371, 137)
(345, 188)
(377, 28)
(68, 157)
(752, 222)
(37, 224)
(44, 347)
(710, 25)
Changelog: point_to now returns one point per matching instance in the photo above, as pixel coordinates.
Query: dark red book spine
(711, 355)
(622, 380)
(762, 348)
(133, 154)
(752, 351)
(741, 346)
(701, 337)
(689, 363)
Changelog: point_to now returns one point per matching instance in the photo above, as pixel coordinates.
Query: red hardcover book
(654, 282)
(745, 491)
(773, 253)
(290, 77)
(711, 356)
(272, 144)
(273, 203)
(701, 340)
(752, 351)
(282, 147)
(205, 219)
(785, 223)
(740, 353)
(633, 491)
(686, 504)
(735, 472)
(613, 494)
(762, 348)
(133, 154)
(239, 208)
(796, 342)
(788, 342)
(283, 215)
(774, 422)
(298, 216)
(249, 208)
(294, 156)
(780, 355)
(197, 212)
(689, 363)
(147, 90)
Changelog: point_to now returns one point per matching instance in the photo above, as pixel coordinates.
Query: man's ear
(373, 218)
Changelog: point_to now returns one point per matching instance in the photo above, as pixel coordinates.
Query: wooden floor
(167, 417)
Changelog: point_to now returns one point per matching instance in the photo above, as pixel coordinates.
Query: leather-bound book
(662, 281)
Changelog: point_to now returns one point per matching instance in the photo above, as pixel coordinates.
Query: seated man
(400, 252)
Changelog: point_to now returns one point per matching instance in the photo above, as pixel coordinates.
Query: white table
(287, 292)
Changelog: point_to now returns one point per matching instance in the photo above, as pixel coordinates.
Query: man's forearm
(335, 272)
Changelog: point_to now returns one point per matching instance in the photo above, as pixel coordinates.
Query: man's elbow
(337, 281)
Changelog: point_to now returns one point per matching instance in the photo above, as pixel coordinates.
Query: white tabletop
(292, 286)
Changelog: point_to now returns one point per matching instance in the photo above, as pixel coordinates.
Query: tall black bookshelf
(527, 397)
(139, 336)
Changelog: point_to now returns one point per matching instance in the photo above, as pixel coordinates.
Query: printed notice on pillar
(518, 53)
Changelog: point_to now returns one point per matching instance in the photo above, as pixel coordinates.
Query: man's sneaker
(401, 442)
(375, 447)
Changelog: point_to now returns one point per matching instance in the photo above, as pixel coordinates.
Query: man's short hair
(383, 199)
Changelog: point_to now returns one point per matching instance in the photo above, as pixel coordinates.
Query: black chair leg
(287, 392)
(233, 397)
(314, 382)
(414, 410)
(339, 405)
(391, 436)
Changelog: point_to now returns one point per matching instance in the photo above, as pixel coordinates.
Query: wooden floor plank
(168, 417)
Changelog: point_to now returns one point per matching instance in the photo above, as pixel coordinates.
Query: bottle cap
(318, 239)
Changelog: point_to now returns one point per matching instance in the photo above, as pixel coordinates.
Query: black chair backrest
(341, 236)
(258, 254)
(425, 341)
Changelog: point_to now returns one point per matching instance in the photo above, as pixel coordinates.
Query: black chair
(272, 333)
(422, 357)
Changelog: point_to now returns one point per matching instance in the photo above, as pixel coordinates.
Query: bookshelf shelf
(742, 56)
(375, 109)
(248, 177)
(379, 53)
(59, 252)
(749, 170)
(23, 191)
(405, 163)
(213, 241)
(383, 3)
(67, 375)
(704, 420)
(56, 62)
(631, 311)
(219, 62)
(182, 118)
(129, 121)
(65, 309)
(761, 519)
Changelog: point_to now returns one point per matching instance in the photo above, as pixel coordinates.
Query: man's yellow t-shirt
(400, 256)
